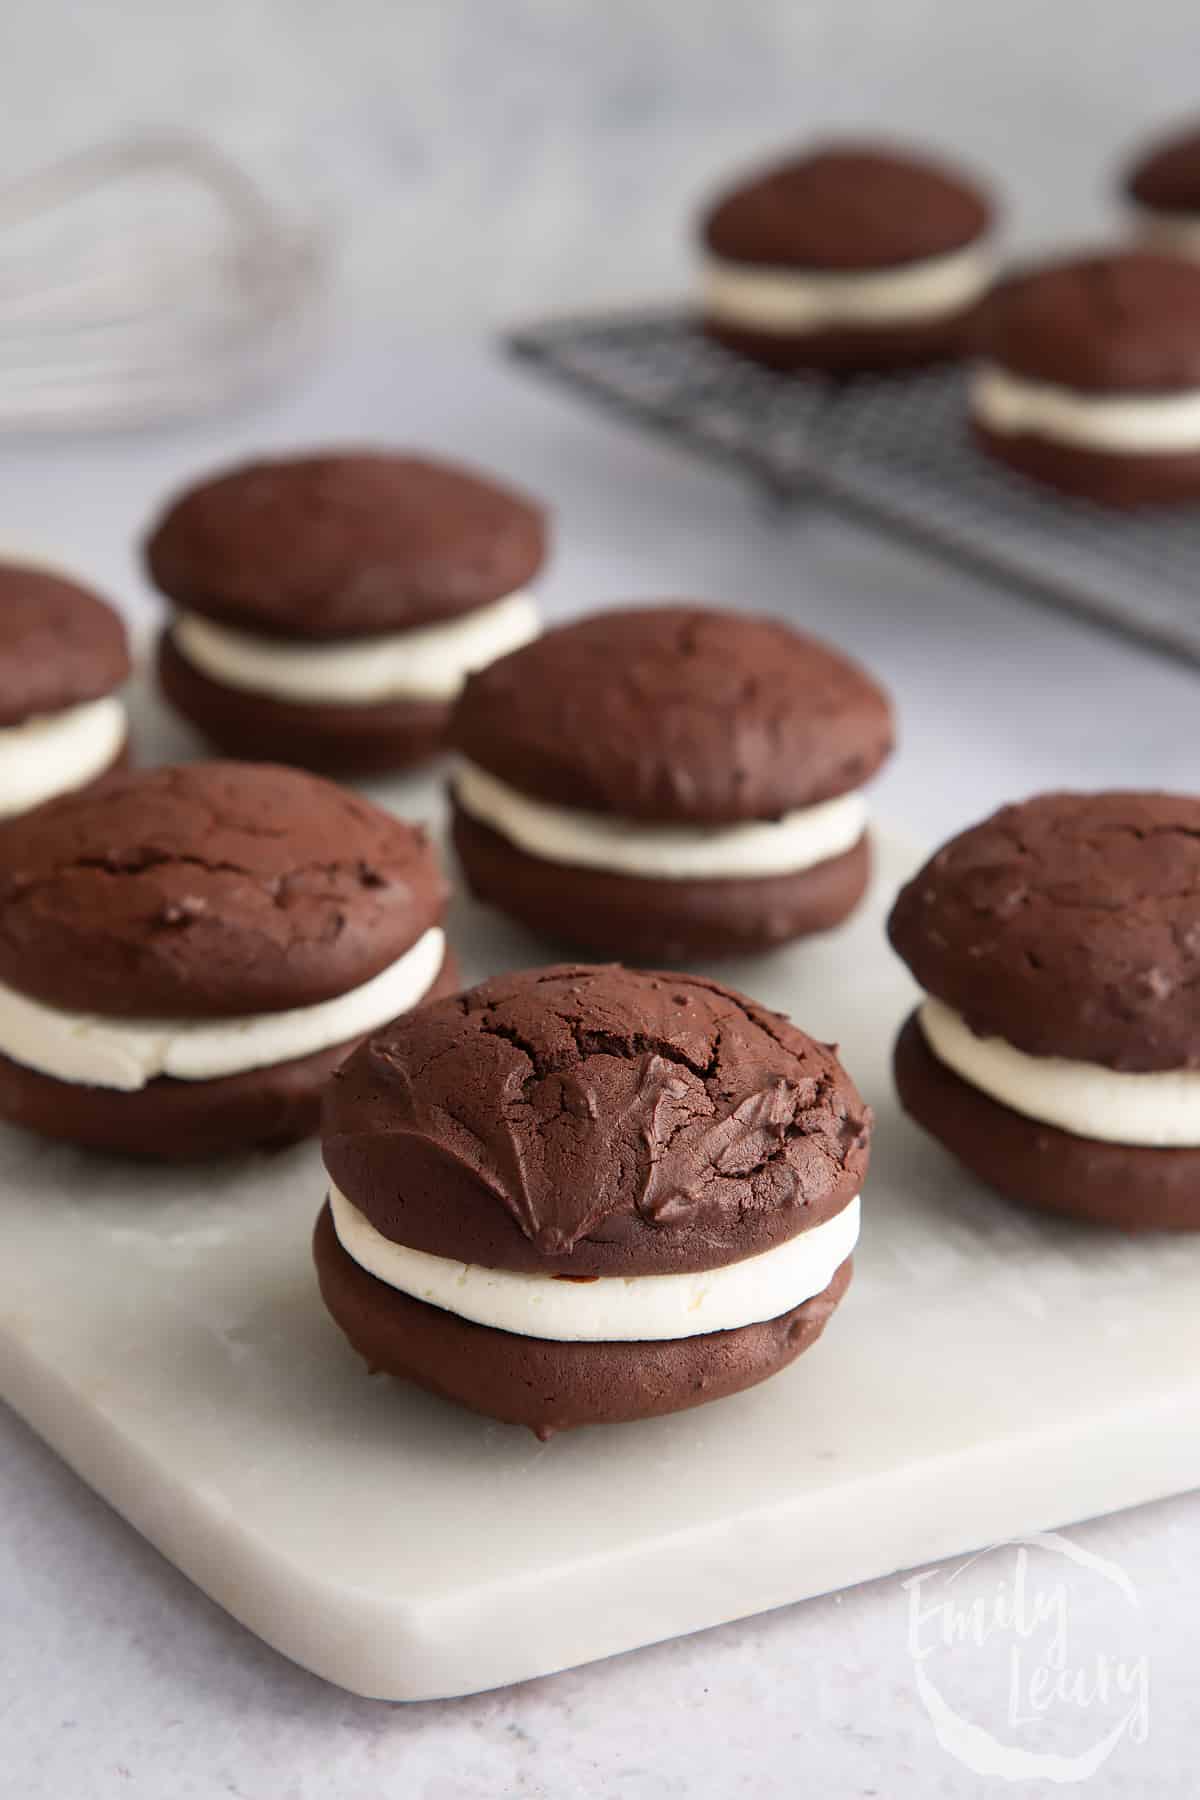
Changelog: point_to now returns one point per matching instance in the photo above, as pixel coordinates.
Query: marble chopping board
(990, 1374)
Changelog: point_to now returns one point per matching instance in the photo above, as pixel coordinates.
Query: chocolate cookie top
(1069, 925)
(595, 1121)
(60, 645)
(847, 206)
(1120, 321)
(1167, 177)
(678, 714)
(211, 889)
(344, 545)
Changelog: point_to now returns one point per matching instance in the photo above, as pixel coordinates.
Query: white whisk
(147, 279)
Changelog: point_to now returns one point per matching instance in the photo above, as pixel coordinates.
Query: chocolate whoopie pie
(853, 256)
(582, 1195)
(186, 954)
(63, 655)
(1057, 1053)
(1163, 186)
(1090, 377)
(327, 607)
(668, 783)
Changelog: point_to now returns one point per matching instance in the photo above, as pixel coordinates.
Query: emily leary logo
(1027, 1659)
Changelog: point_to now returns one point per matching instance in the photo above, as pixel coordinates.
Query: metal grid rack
(892, 452)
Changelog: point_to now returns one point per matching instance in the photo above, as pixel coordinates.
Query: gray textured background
(494, 158)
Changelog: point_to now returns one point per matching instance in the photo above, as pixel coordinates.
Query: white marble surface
(116, 1677)
(162, 1329)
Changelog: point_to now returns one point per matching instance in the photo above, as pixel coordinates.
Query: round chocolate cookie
(61, 645)
(63, 655)
(328, 607)
(1057, 1053)
(669, 782)
(1163, 186)
(186, 954)
(853, 256)
(1090, 377)
(581, 1195)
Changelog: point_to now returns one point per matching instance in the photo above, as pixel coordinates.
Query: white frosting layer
(429, 663)
(1178, 233)
(613, 1308)
(1148, 423)
(799, 840)
(127, 1053)
(57, 752)
(797, 300)
(1160, 1109)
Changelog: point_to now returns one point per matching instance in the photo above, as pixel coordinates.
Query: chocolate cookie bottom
(1037, 1165)
(849, 350)
(177, 1121)
(351, 740)
(1110, 478)
(643, 920)
(546, 1385)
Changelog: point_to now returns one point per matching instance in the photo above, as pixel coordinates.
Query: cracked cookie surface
(676, 713)
(1068, 925)
(595, 1121)
(208, 890)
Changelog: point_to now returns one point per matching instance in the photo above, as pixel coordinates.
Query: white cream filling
(428, 663)
(1159, 1109)
(1178, 233)
(1148, 423)
(57, 752)
(797, 300)
(125, 1054)
(799, 840)
(613, 1308)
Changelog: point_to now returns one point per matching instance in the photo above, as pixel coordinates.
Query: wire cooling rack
(892, 451)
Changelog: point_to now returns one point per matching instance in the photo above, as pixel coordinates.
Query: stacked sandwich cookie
(328, 607)
(186, 954)
(1057, 1053)
(668, 783)
(582, 1195)
(850, 257)
(1089, 377)
(63, 655)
